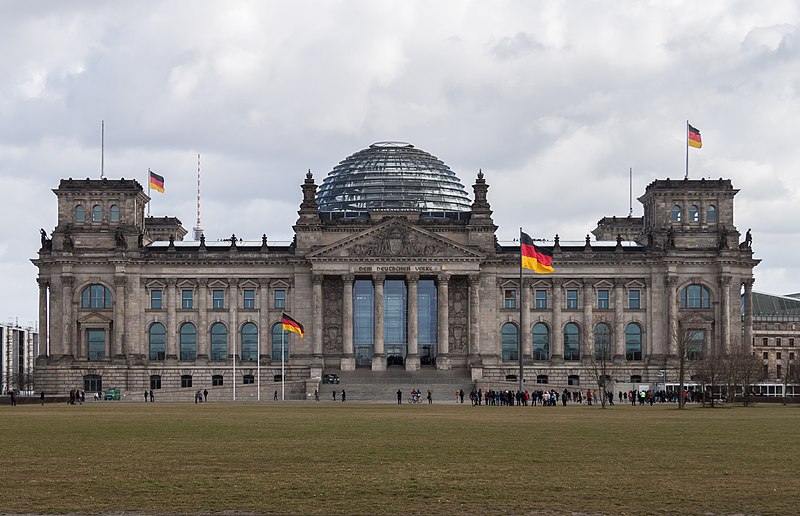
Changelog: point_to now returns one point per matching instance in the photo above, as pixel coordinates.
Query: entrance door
(363, 356)
(426, 354)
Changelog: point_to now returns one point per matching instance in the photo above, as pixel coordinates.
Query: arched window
(633, 342)
(97, 213)
(676, 213)
(219, 341)
(113, 213)
(249, 342)
(80, 213)
(96, 296)
(541, 342)
(572, 342)
(276, 342)
(509, 338)
(602, 342)
(711, 213)
(157, 337)
(188, 342)
(695, 296)
(694, 213)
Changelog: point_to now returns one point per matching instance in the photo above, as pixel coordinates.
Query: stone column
(172, 328)
(264, 332)
(348, 362)
(379, 355)
(412, 357)
(56, 319)
(748, 313)
(203, 343)
(556, 332)
(526, 295)
(619, 323)
(117, 348)
(670, 283)
(725, 316)
(316, 281)
(474, 319)
(233, 313)
(442, 323)
(588, 322)
(43, 284)
(69, 346)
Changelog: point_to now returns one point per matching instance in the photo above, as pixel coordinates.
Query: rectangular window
(778, 341)
(280, 299)
(155, 299)
(155, 381)
(217, 298)
(602, 299)
(572, 299)
(186, 380)
(249, 299)
(791, 356)
(778, 370)
(634, 299)
(778, 355)
(96, 344)
(765, 341)
(509, 298)
(187, 299)
(766, 355)
(791, 342)
(541, 299)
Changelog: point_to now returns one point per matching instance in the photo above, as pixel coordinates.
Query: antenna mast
(630, 191)
(198, 229)
(102, 148)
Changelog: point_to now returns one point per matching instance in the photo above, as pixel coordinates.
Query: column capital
(619, 282)
(558, 282)
(748, 283)
(120, 281)
(442, 278)
(316, 278)
(233, 282)
(379, 278)
(725, 280)
(412, 277)
(474, 280)
(671, 280)
(348, 278)
(67, 280)
(172, 282)
(43, 282)
(202, 282)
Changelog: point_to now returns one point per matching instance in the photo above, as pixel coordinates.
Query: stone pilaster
(412, 357)
(725, 316)
(474, 319)
(748, 313)
(670, 283)
(619, 323)
(172, 328)
(348, 361)
(43, 322)
(70, 346)
(117, 347)
(556, 332)
(233, 316)
(316, 338)
(587, 348)
(526, 295)
(203, 344)
(264, 331)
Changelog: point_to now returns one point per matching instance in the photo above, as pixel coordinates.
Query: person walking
(316, 395)
(399, 397)
(430, 397)
(152, 399)
(41, 397)
(344, 395)
(145, 396)
(334, 395)
(205, 395)
(13, 398)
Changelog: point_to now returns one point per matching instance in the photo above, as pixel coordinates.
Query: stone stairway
(382, 386)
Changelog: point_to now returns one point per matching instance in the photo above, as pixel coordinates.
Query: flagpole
(283, 380)
(233, 342)
(258, 365)
(687, 150)
(148, 192)
(521, 303)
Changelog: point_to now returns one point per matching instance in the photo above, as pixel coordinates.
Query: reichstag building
(393, 267)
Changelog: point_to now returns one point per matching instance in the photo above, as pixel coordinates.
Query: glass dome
(392, 176)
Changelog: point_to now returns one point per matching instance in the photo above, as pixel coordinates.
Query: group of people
(149, 395)
(544, 398)
(76, 396)
(415, 396)
(199, 396)
(344, 395)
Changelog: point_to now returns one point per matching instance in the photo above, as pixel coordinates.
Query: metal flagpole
(233, 342)
(687, 151)
(521, 303)
(102, 148)
(148, 192)
(283, 380)
(258, 365)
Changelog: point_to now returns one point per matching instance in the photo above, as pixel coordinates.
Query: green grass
(359, 458)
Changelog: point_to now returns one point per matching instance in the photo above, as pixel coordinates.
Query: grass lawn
(361, 458)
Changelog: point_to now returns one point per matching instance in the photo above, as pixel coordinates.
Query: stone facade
(124, 305)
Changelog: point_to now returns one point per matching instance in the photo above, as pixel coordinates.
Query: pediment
(94, 318)
(393, 239)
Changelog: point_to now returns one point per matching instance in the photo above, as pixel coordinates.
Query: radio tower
(198, 229)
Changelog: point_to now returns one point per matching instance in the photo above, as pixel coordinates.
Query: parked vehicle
(330, 378)
(111, 394)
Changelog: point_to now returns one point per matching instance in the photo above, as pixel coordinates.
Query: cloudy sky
(555, 101)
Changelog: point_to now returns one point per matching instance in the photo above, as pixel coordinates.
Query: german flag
(156, 182)
(290, 324)
(537, 260)
(694, 137)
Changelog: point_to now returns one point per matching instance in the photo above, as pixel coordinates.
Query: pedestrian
(334, 395)
(205, 395)
(13, 398)
(316, 395)
(198, 397)
(461, 394)
(83, 396)
(41, 397)
(399, 397)
(152, 399)
(275, 396)
(430, 397)
(344, 395)
(71, 397)
(145, 396)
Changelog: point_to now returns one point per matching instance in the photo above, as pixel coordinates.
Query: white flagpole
(148, 192)
(283, 374)
(233, 339)
(258, 365)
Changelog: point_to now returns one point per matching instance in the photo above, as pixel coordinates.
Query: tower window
(676, 214)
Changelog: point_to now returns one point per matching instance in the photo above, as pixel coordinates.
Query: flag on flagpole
(156, 182)
(290, 324)
(694, 138)
(537, 260)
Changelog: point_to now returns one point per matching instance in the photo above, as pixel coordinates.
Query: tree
(598, 361)
(712, 370)
(744, 370)
(688, 338)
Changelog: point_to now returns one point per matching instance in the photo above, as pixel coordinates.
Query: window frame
(634, 293)
(510, 299)
(156, 299)
(279, 299)
(217, 299)
(572, 299)
(114, 214)
(248, 299)
(187, 299)
(540, 298)
(603, 299)
(97, 213)
(80, 214)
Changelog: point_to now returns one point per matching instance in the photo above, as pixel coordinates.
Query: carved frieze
(396, 241)
(332, 314)
(458, 310)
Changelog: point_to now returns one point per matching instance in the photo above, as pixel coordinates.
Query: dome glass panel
(392, 176)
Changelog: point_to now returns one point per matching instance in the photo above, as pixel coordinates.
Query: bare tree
(688, 337)
(598, 361)
(712, 371)
(744, 370)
